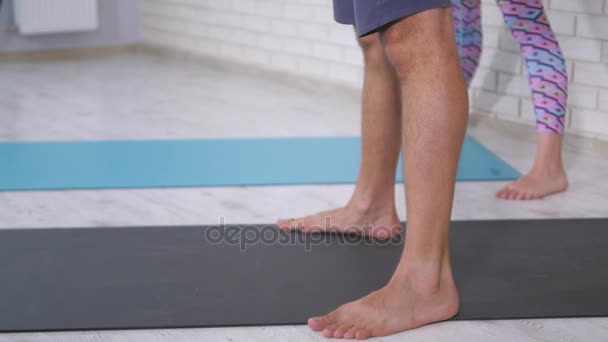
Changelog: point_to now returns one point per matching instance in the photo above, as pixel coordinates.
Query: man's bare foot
(399, 306)
(376, 223)
(535, 185)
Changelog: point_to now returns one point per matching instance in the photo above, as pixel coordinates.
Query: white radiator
(55, 16)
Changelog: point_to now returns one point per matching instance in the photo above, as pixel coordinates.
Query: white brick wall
(582, 29)
(301, 38)
(295, 36)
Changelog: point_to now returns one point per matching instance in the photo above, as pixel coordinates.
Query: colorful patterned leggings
(543, 57)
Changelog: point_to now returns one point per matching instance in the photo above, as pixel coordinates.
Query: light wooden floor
(145, 96)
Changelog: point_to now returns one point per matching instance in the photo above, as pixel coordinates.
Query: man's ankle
(424, 275)
(368, 202)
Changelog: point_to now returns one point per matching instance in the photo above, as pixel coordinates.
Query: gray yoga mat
(170, 277)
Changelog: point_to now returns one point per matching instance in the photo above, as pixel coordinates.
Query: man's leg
(372, 205)
(422, 290)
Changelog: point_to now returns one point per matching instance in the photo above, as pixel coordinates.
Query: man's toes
(292, 224)
(284, 224)
(350, 334)
(363, 334)
(319, 323)
(313, 228)
(329, 330)
(382, 233)
(327, 333)
(341, 330)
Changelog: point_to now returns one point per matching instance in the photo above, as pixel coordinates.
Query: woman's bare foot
(401, 305)
(535, 185)
(548, 175)
(381, 223)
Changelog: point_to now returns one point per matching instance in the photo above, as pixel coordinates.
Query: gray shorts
(367, 16)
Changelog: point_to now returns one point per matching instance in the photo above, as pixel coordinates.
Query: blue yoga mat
(205, 163)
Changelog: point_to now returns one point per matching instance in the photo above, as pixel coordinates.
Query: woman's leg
(469, 35)
(548, 82)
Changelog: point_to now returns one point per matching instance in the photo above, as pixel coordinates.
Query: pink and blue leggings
(539, 47)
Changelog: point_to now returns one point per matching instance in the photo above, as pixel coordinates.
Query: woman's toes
(508, 193)
(512, 194)
(499, 193)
